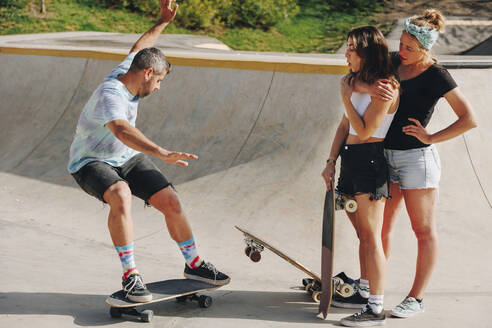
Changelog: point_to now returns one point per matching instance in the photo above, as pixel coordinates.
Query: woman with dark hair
(364, 172)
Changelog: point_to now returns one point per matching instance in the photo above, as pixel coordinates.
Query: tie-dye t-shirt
(93, 140)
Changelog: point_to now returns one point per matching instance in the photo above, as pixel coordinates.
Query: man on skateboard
(108, 161)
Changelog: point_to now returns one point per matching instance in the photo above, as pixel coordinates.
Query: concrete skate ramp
(209, 111)
(263, 129)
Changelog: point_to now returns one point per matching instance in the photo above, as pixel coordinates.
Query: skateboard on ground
(254, 247)
(180, 289)
(327, 248)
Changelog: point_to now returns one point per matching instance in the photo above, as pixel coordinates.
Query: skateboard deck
(255, 245)
(327, 247)
(180, 289)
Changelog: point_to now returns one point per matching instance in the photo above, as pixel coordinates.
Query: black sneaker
(135, 289)
(364, 318)
(355, 301)
(206, 272)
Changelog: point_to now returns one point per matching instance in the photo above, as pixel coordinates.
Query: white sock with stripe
(376, 303)
(364, 288)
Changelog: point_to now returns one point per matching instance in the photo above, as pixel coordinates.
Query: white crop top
(361, 101)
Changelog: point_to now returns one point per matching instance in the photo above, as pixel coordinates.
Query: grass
(317, 28)
(73, 15)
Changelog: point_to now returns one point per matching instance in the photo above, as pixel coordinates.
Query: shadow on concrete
(91, 310)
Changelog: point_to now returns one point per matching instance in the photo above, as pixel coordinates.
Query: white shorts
(418, 168)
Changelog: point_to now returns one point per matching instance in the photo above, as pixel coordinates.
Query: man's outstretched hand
(177, 158)
(167, 11)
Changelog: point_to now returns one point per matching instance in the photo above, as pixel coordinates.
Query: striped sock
(127, 260)
(188, 248)
(376, 302)
(364, 288)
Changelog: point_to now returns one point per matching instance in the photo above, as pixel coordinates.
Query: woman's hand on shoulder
(383, 89)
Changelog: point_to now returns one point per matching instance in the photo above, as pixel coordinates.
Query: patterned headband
(427, 36)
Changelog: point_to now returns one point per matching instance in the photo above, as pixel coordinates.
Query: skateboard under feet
(182, 290)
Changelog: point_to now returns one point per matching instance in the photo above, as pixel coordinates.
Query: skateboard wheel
(308, 287)
(255, 256)
(351, 205)
(248, 250)
(205, 301)
(114, 312)
(147, 315)
(346, 290)
(316, 297)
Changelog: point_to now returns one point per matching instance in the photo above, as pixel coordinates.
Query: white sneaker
(408, 308)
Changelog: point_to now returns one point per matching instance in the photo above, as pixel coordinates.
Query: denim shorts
(364, 170)
(142, 176)
(418, 168)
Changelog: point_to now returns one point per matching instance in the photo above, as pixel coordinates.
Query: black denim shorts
(142, 176)
(364, 170)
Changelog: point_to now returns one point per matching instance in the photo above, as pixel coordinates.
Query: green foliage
(257, 13)
(196, 14)
(323, 6)
(201, 14)
(14, 3)
(319, 26)
(143, 6)
(113, 3)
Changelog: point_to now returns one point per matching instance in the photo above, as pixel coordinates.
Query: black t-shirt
(417, 100)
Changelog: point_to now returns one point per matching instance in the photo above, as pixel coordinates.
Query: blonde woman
(414, 163)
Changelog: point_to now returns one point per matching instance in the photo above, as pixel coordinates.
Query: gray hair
(150, 58)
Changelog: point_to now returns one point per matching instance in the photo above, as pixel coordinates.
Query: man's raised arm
(149, 38)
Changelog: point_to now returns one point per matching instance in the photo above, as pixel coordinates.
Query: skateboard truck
(203, 300)
(340, 287)
(147, 315)
(253, 249)
(344, 203)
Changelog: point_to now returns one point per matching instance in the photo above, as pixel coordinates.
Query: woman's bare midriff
(352, 139)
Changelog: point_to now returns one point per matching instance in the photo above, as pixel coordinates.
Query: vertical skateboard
(327, 252)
